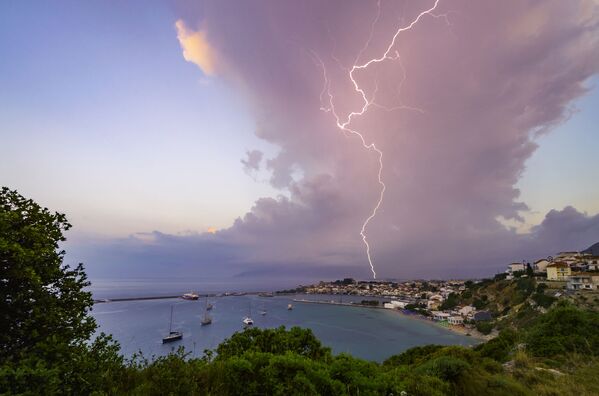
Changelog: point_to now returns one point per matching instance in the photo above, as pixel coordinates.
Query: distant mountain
(594, 250)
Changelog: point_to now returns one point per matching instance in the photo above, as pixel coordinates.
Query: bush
(450, 303)
(485, 327)
(498, 348)
(543, 300)
(276, 341)
(564, 329)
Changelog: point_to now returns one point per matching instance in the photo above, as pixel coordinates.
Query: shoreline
(461, 330)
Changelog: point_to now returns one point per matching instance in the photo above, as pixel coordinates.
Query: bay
(368, 333)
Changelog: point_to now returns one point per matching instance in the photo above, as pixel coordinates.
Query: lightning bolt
(343, 124)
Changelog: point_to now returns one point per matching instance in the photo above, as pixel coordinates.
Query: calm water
(373, 334)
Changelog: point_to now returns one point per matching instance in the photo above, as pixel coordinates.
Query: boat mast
(170, 326)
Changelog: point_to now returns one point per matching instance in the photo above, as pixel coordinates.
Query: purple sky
(473, 95)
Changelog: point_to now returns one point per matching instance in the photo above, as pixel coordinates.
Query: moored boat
(190, 296)
(172, 335)
(248, 321)
(206, 320)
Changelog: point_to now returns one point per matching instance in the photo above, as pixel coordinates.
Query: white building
(583, 281)
(592, 263)
(396, 304)
(515, 267)
(466, 311)
(541, 265)
(439, 315)
(455, 320)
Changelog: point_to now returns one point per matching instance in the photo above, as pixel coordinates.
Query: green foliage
(45, 326)
(500, 276)
(529, 271)
(564, 329)
(413, 355)
(485, 327)
(479, 303)
(500, 347)
(526, 285)
(275, 341)
(451, 302)
(444, 367)
(543, 300)
(40, 297)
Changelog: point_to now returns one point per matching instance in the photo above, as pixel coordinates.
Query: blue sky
(565, 168)
(102, 118)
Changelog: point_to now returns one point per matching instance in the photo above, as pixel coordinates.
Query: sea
(368, 333)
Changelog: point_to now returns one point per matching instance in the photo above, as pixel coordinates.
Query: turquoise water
(373, 334)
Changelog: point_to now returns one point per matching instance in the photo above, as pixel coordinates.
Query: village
(444, 301)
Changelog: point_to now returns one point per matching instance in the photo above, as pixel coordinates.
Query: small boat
(209, 307)
(190, 296)
(248, 321)
(289, 307)
(262, 313)
(172, 335)
(206, 320)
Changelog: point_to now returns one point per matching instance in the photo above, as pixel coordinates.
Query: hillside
(594, 250)
(518, 302)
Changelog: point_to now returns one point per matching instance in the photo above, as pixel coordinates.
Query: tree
(45, 326)
(450, 303)
(529, 271)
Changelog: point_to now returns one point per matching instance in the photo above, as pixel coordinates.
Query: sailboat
(289, 307)
(206, 320)
(248, 321)
(172, 335)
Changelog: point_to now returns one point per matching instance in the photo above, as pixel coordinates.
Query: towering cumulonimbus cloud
(456, 114)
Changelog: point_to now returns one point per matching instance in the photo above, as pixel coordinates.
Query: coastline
(475, 334)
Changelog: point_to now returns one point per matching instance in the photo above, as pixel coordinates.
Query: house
(440, 316)
(434, 301)
(592, 263)
(515, 267)
(541, 265)
(466, 311)
(483, 316)
(583, 281)
(569, 257)
(559, 271)
(455, 320)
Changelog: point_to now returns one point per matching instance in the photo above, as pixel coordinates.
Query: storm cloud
(456, 116)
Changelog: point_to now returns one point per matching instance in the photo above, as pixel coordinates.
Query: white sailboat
(207, 319)
(248, 321)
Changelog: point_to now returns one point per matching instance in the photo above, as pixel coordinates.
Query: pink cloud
(486, 78)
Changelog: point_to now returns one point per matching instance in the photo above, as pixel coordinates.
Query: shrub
(485, 327)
